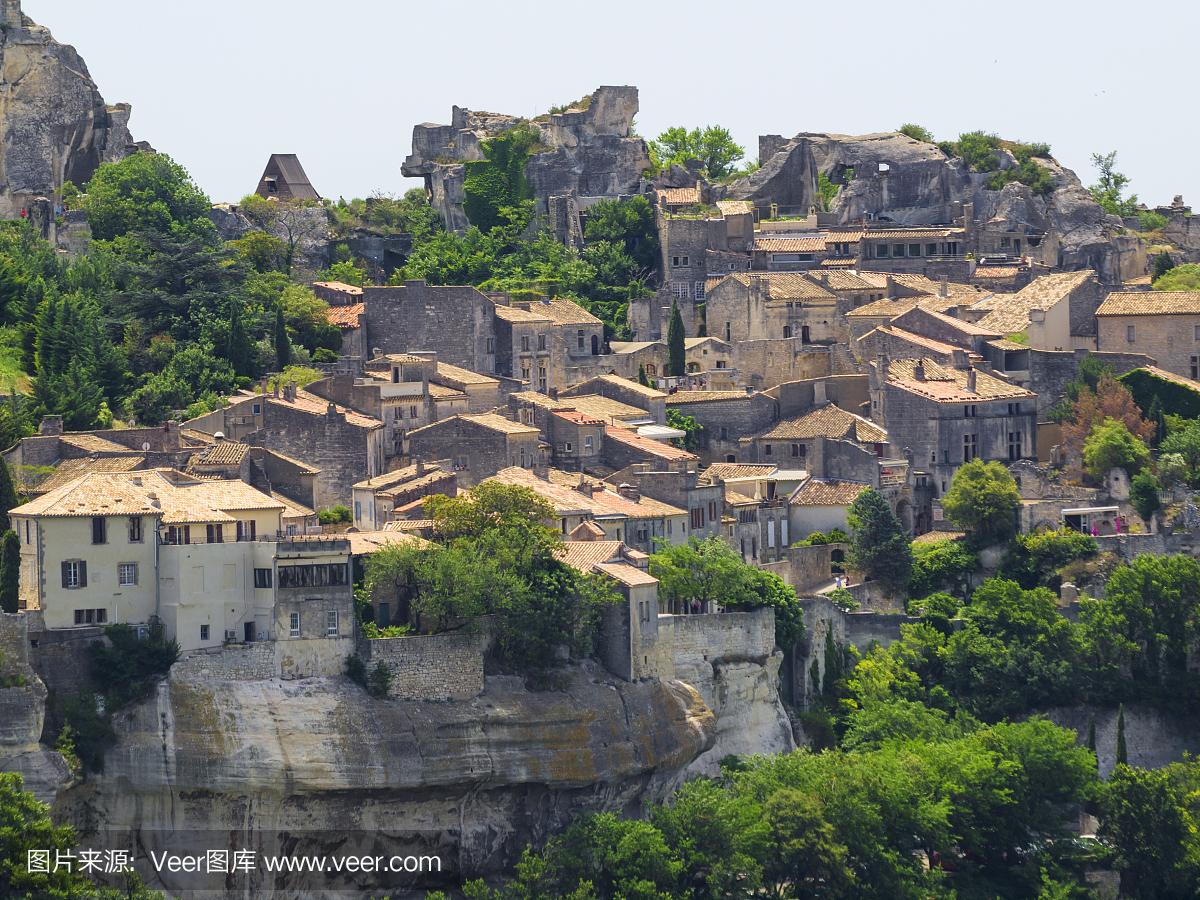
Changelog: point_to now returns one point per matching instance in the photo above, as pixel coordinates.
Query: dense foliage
(713, 146)
(1145, 386)
(983, 499)
(980, 152)
(881, 549)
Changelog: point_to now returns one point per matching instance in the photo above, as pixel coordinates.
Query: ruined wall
(433, 667)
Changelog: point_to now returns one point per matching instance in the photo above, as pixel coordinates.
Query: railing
(259, 538)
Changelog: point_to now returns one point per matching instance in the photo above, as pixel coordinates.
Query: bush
(1032, 560)
(941, 565)
(128, 669)
(1111, 445)
(356, 670)
(336, 515)
(322, 355)
(381, 679)
(1143, 494)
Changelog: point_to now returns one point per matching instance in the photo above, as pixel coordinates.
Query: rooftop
(221, 453)
(1010, 313)
(582, 555)
(454, 374)
(576, 417)
(649, 446)
(730, 471)
(516, 314)
(310, 403)
(627, 574)
(92, 443)
(612, 411)
(563, 312)
(898, 306)
(706, 397)
(946, 385)
(1151, 303)
(918, 339)
(364, 543)
(339, 286)
(627, 384)
(346, 316)
(735, 207)
(911, 234)
(679, 196)
(398, 477)
(827, 492)
(790, 244)
(559, 489)
(830, 422)
(783, 285)
(70, 470)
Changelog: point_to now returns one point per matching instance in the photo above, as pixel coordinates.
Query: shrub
(1111, 445)
(127, 669)
(356, 670)
(940, 565)
(381, 679)
(1143, 494)
(1033, 559)
(322, 355)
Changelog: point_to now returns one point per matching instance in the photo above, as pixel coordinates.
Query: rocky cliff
(587, 150)
(899, 179)
(54, 125)
(318, 767)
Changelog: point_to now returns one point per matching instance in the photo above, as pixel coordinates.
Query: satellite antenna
(145, 445)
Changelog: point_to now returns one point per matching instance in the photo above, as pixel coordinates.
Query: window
(697, 518)
(204, 632)
(542, 378)
(588, 443)
(787, 331)
(800, 450)
(246, 531)
(897, 250)
(524, 373)
(331, 623)
(1014, 445)
(491, 345)
(91, 616)
(681, 289)
(139, 521)
(258, 409)
(525, 343)
(724, 435)
(931, 250)
(727, 337)
(767, 450)
(675, 261)
(412, 412)
(1014, 409)
(294, 624)
(1131, 333)
(970, 447)
(569, 446)
(1195, 375)
(541, 342)
(1196, 333)
(216, 534)
(74, 573)
(914, 249)
(580, 341)
(881, 251)
(99, 530)
(127, 574)
(720, 364)
(135, 530)
(700, 286)
(395, 375)
(952, 248)
(358, 510)
(262, 578)
(969, 412)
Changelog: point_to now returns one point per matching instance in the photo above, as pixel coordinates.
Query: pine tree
(239, 341)
(1122, 752)
(10, 573)
(8, 495)
(642, 379)
(1092, 735)
(283, 344)
(1163, 264)
(881, 547)
(676, 356)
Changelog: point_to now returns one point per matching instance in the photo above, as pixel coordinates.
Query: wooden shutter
(187, 534)
(66, 574)
(240, 529)
(82, 573)
(211, 538)
(253, 529)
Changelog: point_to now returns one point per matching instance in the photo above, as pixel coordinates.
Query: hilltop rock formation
(54, 125)
(897, 178)
(588, 150)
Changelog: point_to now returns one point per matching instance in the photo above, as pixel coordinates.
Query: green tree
(283, 344)
(1180, 278)
(881, 548)
(26, 826)
(1091, 744)
(239, 343)
(1122, 751)
(1109, 186)
(802, 858)
(10, 573)
(1111, 445)
(1163, 263)
(689, 426)
(145, 192)
(1143, 494)
(8, 496)
(713, 146)
(643, 380)
(917, 133)
(676, 356)
(983, 498)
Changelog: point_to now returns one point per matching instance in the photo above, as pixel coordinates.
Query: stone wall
(848, 392)
(61, 658)
(688, 642)
(454, 322)
(725, 419)
(236, 662)
(429, 667)
(1152, 738)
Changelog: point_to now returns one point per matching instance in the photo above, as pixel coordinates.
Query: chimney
(682, 467)
(961, 360)
(51, 425)
(891, 288)
(276, 388)
(584, 487)
(971, 376)
(881, 364)
(420, 467)
(919, 370)
(629, 492)
(944, 287)
(819, 396)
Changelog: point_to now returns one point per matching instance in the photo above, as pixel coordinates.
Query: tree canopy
(881, 547)
(983, 498)
(713, 146)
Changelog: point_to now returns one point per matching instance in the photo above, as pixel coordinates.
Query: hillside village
(836, 336)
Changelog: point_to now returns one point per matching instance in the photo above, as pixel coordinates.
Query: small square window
(204, 632)
(127, 574)
(897, 250)
(588, 443)
(914, 249)
(262, 578)
(881, 251)
(569, 446)
(257, 412)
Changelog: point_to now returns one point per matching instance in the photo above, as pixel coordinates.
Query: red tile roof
(679, 196)
(574, 415)
(346, 316)
(790, 245)
(648, 446)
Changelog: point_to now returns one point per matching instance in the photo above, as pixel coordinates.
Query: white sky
(220, 85)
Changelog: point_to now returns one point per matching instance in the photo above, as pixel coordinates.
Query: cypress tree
(642, 379)
(239, 341)
(814, 678)
(1122, 752)
(10, 573)
(8, 495)
(283, 344)
(677, 360)
(833, 663)
(1163, 264)
(1092, 735)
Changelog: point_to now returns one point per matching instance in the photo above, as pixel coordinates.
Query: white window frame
(294, 624)
(124, 569)
(588, 443)
(204, 633)
(331, 623)
(73, 582)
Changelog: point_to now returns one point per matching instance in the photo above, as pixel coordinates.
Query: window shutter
(82, 574)
(65, 574)
(187, 534)
(253, 529)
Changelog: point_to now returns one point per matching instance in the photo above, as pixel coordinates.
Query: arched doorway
(595, 345)
(804, 337)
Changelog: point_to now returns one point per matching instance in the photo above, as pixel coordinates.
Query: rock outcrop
(899, 179)
(319, 767)
(588, 151)
(54, 125)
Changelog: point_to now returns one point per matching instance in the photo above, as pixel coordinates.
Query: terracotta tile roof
(790, 245)
(706, 397)
(947, 385)
(918, 339)
(340, 287)
(910, 234)
(1151, 303)
(892, 308)
(627, 574)
(536, 399)
(458, 376)
(438, 392)
(566, 499)
(586, 531)
(679, 196)
(516, 314)
(1172, 377)
(728, 471)
(649, 446)
(1004, 344)
(845, 235)
(934, 537)
(786, 285)
(314, 405)
(844, 281)
(583, 555)
(827, 492)
(346, 316)
(221, 453)
(1010, 313)
(70, 470)
(563, 312)
(606, 409)
(995, 272)
(636, 346)
(404, 358)
(833, 262)
(827, 421)
(491, 421)
(626, 383)
(364, 543)
(577, 417)
(735, 207)
(964, 326)
(93, 443)
(293, 510)
(398, 477)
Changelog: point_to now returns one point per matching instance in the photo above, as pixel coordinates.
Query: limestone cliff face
(54, 125)
(323, 764)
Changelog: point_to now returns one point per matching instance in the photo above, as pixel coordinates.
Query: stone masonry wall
(237, 662)
(61, 658)
(429, 667)
(688, 641)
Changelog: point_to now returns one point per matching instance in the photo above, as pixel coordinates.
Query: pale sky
(220, 85)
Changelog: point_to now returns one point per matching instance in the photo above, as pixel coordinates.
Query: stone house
(221, 459)
(576, 439)
(622, 390)
(941, 417)
(753, 307)
(803, 442)
(475, 448)
(848, 392)
(376, 499)
(457, 323)
(1161, 324)
(822, 504)
(726, 417)
(208, 560)
(625, 447)
(910, 250)
(525, 347)
(338, 293)
(901, 293)
(681, 486)
(349, 320)
(1047, 372)
(160, 446)
(1054, 312)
